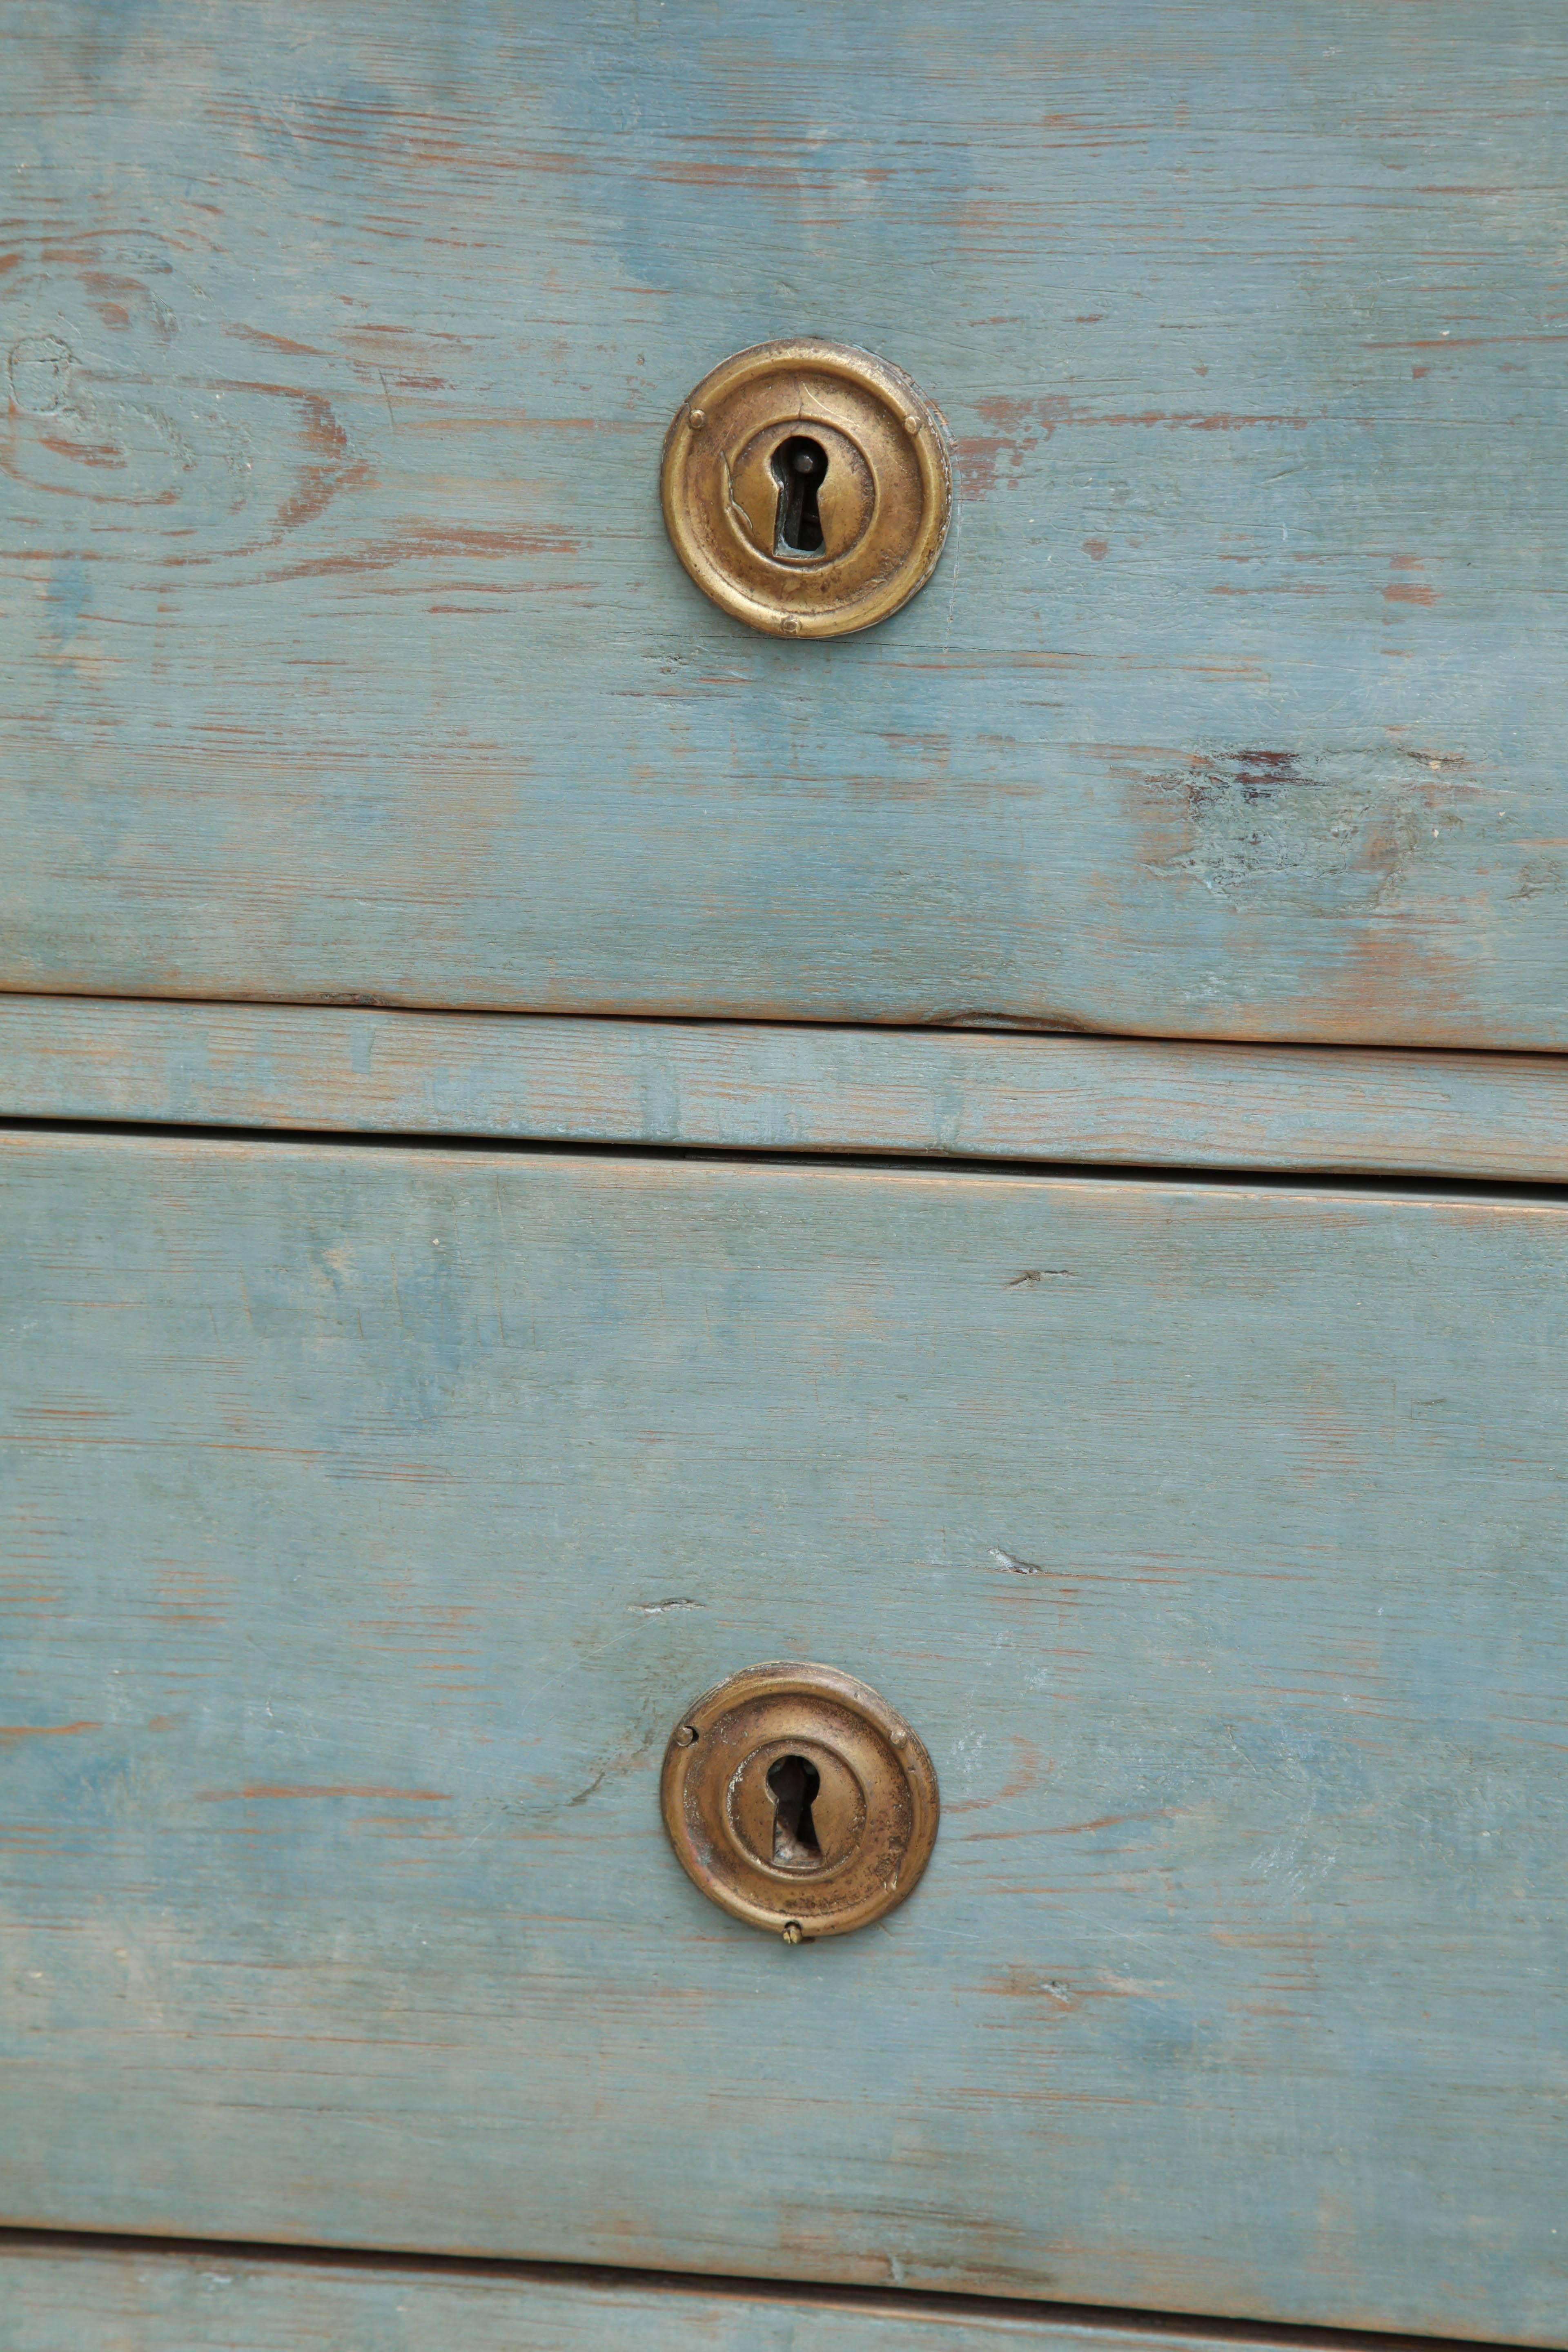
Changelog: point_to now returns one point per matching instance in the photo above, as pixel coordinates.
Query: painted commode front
(783, 1114)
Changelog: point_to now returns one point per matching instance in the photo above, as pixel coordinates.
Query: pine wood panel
(738, 1087)
(59, 2299)
(345, 657)
(371, 1513)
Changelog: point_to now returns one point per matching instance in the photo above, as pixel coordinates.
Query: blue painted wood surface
(72, 2300)
(371, 1513)
(344, 657)
(738, 1085)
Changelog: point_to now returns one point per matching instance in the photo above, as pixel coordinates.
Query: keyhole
(793, 1784)
(800, 468)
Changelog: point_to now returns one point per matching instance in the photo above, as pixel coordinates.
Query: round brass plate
(799, 1800)
(807, 487)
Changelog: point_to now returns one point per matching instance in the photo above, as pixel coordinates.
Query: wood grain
(73, 2300)
(371, 1513)
(737, 1086)
(345, 658)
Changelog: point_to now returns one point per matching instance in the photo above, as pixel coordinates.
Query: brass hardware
(798, 1801)
(807, 487)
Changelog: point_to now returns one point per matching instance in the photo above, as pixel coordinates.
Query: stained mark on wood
(1257, 775)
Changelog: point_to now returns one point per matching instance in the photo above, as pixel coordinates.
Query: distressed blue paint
(1211, 1536)
(736, 1085)
(132, 2301)
(341, 352)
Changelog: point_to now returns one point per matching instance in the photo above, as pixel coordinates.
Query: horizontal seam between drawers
(734, 2287)
(1373, 1185)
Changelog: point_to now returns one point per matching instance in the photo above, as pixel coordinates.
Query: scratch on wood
(260, 1789)
(10, 1732)
(1013, 1564)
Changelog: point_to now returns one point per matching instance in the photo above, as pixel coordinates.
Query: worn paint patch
(1012, 1563)
(38, 371)
(1330, 831)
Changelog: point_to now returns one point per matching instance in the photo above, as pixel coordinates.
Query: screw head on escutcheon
(807, 487)
(799, 1800)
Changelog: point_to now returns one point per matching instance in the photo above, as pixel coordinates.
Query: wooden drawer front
(346, 657)
(223, 2301)
(736, 1085)
(372, 1513)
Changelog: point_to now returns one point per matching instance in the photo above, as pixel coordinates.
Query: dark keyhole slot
(793, 1784)
(800, 468)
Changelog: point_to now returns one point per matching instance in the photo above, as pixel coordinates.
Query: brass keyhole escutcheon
(807, 487)
(799, 1800)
